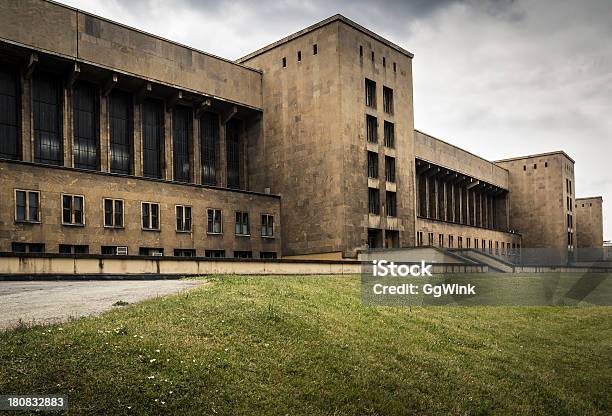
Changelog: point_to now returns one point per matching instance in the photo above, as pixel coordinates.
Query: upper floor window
(27, 206)
(299, 56)
(370, 93)
(47, 115)
(389, 132)
(150, 216)
(315, 49)
(389, 169)
(183, 218)
(267, 225)
(113, 213)
(373, 201)
(72, 210)
(371, 129)
(152, 138)
(214, 221)
(372, 165)
(85, 125)
(391, 200)
(242, 223)
(9, 114)
(181, 143)
(388, 100)
(120, 131)
(209, 143)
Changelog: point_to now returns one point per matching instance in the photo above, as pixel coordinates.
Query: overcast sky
(499, 78)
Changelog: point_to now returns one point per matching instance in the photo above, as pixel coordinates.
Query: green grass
(306, 345)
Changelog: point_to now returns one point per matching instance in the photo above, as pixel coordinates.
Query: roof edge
(556, 152)
(322, 23)
(583, 198)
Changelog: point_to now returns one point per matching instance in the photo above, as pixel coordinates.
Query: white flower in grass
(152, 360)
(151, 377)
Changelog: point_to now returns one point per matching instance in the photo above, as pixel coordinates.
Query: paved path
(52, 302)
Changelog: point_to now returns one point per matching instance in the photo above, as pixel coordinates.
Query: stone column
(137, 145)
(104, 135)
(222, 171)
(67, 127)
(196, 163)
(167, 155)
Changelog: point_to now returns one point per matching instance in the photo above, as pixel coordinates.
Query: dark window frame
(388, 105)
(371, 129)
(114, 203)
(372, 165)
(10, 116)
(267, 225)
(148, 215)
(214, 221)
(85, 125)
(182, 143)
(370, 93)
(391, 203)
(389, 134)
(73, 213)
(152, 138)
(242, 227)
(27, 208)
(390, 169)
(374, 201)
(120, 109)
(48, 137)
(184, 218)
(209, 147)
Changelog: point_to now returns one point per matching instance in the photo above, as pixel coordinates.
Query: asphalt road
(53, 301)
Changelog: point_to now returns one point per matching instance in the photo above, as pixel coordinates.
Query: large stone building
(113, 140)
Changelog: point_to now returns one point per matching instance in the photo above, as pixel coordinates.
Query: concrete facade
(589, 222)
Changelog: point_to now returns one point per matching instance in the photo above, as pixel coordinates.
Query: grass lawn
(306, 345)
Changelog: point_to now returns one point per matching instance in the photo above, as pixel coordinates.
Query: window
(419, 238)
(114, 250)
(113, 213)
(299, 56)
(267, 255)
(440, 240)
(545, 164)
(394, 67)
(460, 242)
(242, 223)
(535, 165)
(72, 210)
(284, 62)
(371, 129)
(150, 251)
(267, 225)
(214, 221)
(389, 131)
(184, 252)
(389, 169)
(476, 243)
(152, 134)
(150, 216)
(27, 248)
(370, 93)
(214, 254)
(243, 254)
(468, 242)
(183, 219)
(372, 54)
(384, 62)
(372, 165)
(85, 125)
(10, 141)
(360, 50)
(73, 249)
(388, 100)
(27, 206)
(209, 135)
(315, 49)
(120, 131)
(181, 143)
(47, 114)
(451, 241)
(391, 204)
(524, 167)
(232, 136)
(373, 201)
(430, 239)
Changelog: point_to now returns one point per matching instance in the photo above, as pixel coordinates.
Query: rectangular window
(150, 216)
(284, 62)
(371, 129)
(211, 254)
(267, 225)
(183, 219)
(150, 251)
(384, 62)
(233, 131)
(184, 252)
(372, 165)
(389, 131)
(242, 223)
(451, 241)
(267, 255)
(419, 238)
(391, 204)
(315, 49)
(10, 141)
(73, 210)
(460, 242)
(243, 254)
(181, 143)
(394, 67)
(73, 249)
(152, 138)
(440, 240)
(209, 135)
(370, 93)
(47, 114)
(27, 248)
(120, 131)
(27, 206)
(299, 56)
(85, 125)
(114, 251)
(389, 169)
(374, 201)
(214, 221)
(430, 239)
(113, 213)
(388, 100)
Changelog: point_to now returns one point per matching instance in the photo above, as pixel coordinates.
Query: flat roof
(557, 152)
(589, 197)
(322, 23)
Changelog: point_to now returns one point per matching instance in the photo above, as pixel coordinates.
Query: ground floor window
(114, 250)
(151, 251)
(267, 255)
(73, 249)
(214, 253)
(184, 252)
(243, 254)
(28, 248)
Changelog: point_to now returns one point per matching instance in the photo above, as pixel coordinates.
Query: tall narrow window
(373, 201)
(214, 225)
(152, 134)
(372, 165)
(47, 113)
(209, 134)
(85, 125)
(315, 49)
(299, 56)
(183, 219)
(150, 216)
(27, 206)
(391, 199)
(73, 210)
(389, 134)
(113, 213)
(242, 223)
(389, 169)
(9, 114)
(267, 225)
(388, 100)
(371, 129)
(181, 143)
(120, 131)
(284, 62)
(384, 62)
(394, 67)
(233, 131)
(370, 93)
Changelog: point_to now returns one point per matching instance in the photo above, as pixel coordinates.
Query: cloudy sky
(500, 78)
